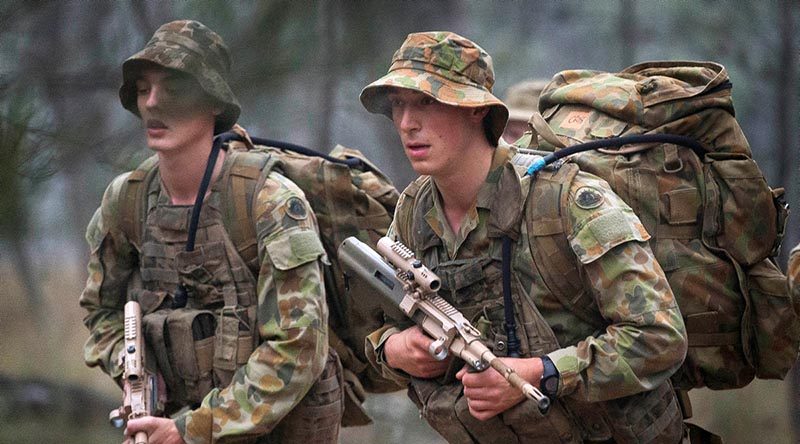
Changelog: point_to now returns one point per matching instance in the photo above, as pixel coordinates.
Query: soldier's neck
(182, 171)
(459, 190)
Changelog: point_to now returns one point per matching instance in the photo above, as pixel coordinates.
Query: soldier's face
(175, 111)
(435, 136)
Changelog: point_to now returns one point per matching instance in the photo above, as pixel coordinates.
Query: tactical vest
(199, 347)
(475, 287)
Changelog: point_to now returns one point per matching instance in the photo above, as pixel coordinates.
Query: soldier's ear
(477, 114)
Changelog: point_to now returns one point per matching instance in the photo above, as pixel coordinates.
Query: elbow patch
(294, 248)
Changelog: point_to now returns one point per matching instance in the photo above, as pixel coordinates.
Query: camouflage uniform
(793, 273)
(614, 382)
(269, 328)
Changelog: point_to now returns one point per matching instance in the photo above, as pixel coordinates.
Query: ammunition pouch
(197, 350)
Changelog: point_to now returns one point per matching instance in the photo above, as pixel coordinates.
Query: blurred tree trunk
(627, 32)
(16, 197)
(328, 33)
(25, 271)
(63, 65)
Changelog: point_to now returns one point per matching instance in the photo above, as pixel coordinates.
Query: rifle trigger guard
(438, 349)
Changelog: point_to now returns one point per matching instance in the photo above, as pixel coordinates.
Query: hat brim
(444, 90)
(177, 58)
(520, 114)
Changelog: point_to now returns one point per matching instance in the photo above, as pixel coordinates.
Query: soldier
(608, 385)
(245, 357)
(522, 100)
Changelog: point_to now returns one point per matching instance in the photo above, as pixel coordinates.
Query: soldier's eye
(427, 101)
(142, 89)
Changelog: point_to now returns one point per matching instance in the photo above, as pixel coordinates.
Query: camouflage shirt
(645, 339)
(291, 311)
(793, 273)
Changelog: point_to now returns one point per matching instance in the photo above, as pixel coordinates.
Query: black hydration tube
(512, 342)
(675, 139)
(352, 162)
(181, 295)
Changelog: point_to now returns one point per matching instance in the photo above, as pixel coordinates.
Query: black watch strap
(550, 377)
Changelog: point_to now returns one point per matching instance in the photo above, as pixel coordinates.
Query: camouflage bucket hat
(522, 99)
(190, 47)
(450, 68)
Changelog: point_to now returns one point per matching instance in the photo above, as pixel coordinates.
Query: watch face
(551, 385)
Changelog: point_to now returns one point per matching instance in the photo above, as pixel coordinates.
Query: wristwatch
(550, 377)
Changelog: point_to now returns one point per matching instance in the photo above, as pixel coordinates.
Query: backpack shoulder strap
(547, 227)
(133, 200)
(407, 206)
(248, 172)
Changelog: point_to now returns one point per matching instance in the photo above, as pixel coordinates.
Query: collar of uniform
(435, 217)
(487, 191)
(487, 195)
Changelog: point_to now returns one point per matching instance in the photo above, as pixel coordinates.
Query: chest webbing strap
(249, 171)
(133, 200)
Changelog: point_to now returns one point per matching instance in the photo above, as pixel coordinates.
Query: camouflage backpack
(350, 197)
(715, 223)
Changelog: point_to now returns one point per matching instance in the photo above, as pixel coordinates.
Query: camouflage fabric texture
(793, 273)
(446, 66)
(288, 317)
(190, 47)
(715, 222)
(643, 340)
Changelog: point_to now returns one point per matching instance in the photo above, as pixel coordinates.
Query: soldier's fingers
(481, 414)
(477, 380)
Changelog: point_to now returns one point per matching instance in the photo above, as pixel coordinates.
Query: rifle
(140, 390)
(407, 284)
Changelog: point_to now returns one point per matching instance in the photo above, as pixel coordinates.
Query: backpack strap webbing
(248, 172)
(552, 254)
(133, 200)
(404, 215)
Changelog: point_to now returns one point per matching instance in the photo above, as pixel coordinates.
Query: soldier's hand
(159, 430)
(408, 351)
(489, 394)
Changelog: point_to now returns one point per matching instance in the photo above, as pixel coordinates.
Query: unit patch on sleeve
(588, 198)
(296, 209)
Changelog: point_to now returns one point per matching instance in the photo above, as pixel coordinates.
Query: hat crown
(190, 47)
(447, 54)
(194, 38)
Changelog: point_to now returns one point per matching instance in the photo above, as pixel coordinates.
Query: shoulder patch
(588, 198)
(296, 209)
